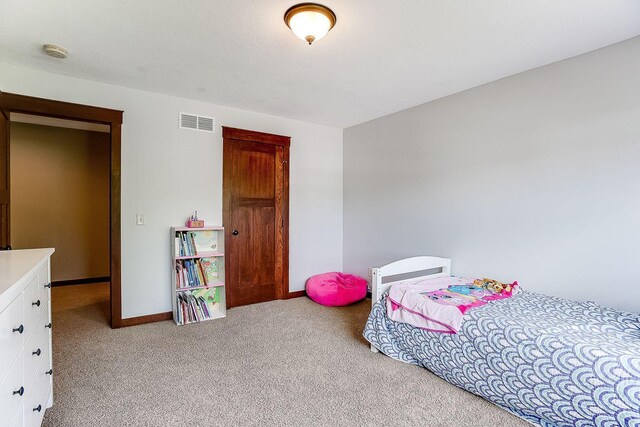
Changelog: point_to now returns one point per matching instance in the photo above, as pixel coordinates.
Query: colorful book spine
(192, 276)
(192, 242)
(198, 268)
(183, 245)
(186, 267)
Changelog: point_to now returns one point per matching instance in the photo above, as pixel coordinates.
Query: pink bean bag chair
(336, 289)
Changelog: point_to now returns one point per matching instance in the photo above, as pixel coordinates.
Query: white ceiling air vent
(195, 122)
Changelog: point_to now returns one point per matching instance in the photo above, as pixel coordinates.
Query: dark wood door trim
(282, 190)
(5, 183)
(62, 110)
(115, 237)
(284, 240)
(10, 102)
(150, 318)
(253, 136)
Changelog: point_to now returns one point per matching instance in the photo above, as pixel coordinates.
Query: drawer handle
(48, 325)
(37, 408)
(19, 329)
(37, 352)
(48, 285)
(49, 372)
(37, 303)
(19, 391)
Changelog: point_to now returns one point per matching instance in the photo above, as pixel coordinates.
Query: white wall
(534, 178)
(168, 172)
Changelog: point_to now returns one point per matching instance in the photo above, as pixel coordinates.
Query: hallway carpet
(281, 363)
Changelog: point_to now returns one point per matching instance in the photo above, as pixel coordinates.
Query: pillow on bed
(336, 289)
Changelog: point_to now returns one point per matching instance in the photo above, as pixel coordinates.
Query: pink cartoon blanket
(439, 304)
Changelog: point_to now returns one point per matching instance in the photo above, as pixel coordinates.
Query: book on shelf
(183, 275)
(194, 243)
(191, 276)
(198, 268)
(210, 269)
(183, 245)
(186, 247)
(197, 305)
(197, 272)
(205, 241)
(208, 299)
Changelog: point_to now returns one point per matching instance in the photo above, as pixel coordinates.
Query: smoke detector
(55, 51)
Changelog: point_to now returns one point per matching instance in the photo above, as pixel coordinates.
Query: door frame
(5, 196)
(282, 233)
(14, 103)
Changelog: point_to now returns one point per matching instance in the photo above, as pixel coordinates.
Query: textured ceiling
(382, 56)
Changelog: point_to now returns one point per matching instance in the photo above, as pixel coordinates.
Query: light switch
(139, 219)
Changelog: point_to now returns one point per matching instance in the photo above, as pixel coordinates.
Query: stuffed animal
(492, 285)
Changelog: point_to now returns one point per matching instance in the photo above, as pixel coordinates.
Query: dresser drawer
(45, 295)
(43, 276)
(44, 284)
(34, 305)
(11, 339)
(36, 348)
(13, 391)
(36, 399)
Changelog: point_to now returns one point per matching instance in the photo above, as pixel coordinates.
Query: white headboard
(406, 266)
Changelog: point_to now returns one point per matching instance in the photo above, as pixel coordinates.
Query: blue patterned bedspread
(550, 361)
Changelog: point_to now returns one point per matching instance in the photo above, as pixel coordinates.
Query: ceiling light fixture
(55, 51)
(310, 21)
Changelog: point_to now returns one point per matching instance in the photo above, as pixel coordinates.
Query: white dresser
(25, 337)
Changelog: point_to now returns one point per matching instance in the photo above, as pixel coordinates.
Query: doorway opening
(59, 186)
(94, 135)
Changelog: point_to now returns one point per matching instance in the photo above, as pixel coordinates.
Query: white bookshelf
(194, 274)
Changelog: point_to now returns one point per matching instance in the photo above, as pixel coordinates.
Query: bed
(550, 361)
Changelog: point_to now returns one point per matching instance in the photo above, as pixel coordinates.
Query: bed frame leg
(374, 350)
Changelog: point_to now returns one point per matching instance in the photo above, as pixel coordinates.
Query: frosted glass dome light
(310, 21)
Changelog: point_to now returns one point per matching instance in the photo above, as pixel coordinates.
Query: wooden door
(5, 241)
(256, 213)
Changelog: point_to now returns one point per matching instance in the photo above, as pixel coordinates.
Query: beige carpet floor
(282, 363)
